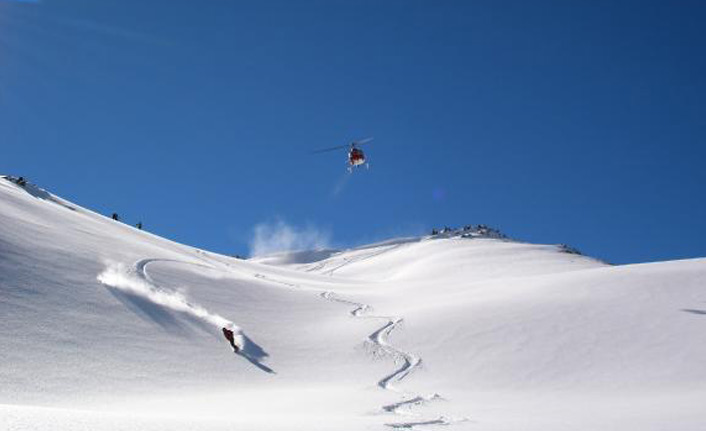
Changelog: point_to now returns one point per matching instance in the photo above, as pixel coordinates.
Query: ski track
(141, 267)
(410, 362)
(355, 260)
(379, 339)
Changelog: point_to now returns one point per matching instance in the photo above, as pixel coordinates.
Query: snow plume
(276, 237)
(134, 281)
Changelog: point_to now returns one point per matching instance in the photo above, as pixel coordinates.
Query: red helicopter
(356, 157)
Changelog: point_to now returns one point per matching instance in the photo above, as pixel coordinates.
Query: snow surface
(106, 327)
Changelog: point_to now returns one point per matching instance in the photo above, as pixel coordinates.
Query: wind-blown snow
(278, 236)
(107, 327)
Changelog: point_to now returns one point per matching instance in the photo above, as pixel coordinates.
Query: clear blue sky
(579, 122)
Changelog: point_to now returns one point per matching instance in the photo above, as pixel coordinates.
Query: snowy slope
(104, 326)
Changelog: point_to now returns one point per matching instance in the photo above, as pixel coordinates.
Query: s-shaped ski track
(409, 362)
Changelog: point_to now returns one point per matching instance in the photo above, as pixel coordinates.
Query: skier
(115, 217)
(229, 336)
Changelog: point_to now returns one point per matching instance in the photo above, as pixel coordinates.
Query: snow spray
(135, 281)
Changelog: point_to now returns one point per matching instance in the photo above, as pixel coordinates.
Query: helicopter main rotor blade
(338, 147)
(363, 141)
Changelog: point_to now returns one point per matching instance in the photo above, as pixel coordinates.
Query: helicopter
(356, 157)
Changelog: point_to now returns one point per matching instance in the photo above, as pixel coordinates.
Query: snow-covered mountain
(104, 326)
